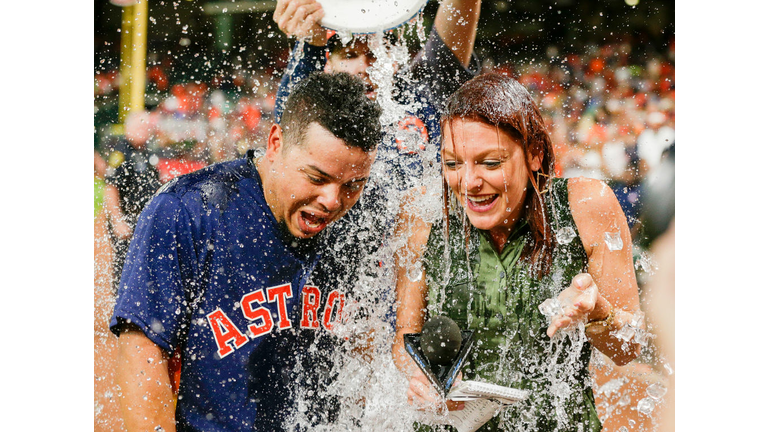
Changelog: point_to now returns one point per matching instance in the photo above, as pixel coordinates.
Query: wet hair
(338, 103)
(501, 101)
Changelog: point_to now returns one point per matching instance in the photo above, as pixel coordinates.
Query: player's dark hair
(501, 101)
(338, 103)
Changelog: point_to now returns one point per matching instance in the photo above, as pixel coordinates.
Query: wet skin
(485, 167)
(354, 59)
(307, 186)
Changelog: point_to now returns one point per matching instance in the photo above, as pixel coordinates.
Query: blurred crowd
(196, 123)
(611, 116)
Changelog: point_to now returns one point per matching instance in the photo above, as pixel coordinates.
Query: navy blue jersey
(210, 272)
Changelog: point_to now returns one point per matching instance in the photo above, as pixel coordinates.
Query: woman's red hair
(501, 101)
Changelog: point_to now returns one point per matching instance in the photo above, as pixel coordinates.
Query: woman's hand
(579, 303)
(423, 395)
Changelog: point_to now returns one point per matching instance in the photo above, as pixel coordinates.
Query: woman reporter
(512, 238)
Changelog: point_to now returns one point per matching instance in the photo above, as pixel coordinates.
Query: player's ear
(274, 141)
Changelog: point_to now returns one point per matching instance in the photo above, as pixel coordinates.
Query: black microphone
(440, 340)
(440, 350)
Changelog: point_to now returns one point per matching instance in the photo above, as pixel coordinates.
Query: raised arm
(456, 24)
(146, 396)
(299, 19)
(610, 284)
(447, 61)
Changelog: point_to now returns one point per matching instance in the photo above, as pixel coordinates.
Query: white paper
(482, 402)
(475, 414)
(471, 390)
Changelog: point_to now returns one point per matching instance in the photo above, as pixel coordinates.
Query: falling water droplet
(550, 307)
(414, 273)
(624, 401)
(613, 240)
(656, 391)
(565, 235)
(645, 406)
(668, 368)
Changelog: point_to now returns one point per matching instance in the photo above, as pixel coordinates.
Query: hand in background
(300, 19)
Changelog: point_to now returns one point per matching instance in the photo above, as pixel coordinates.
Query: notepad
(482, 402)
(471, 390)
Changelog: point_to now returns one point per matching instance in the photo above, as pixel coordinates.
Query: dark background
(183, 33)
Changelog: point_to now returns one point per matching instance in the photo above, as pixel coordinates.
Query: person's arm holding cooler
(447, 60)
(456, 24)
(299, 19)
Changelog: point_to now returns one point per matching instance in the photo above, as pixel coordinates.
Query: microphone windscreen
(440, 340)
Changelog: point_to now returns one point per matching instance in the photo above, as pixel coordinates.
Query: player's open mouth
(481, 203)
(311, 223)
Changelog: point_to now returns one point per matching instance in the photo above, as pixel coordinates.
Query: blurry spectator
(106, 411)
(659, 304)
(655, 139)
(620, 167)
(132, 179)
(658, 197)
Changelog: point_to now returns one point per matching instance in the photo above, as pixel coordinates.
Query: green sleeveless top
(497, 296)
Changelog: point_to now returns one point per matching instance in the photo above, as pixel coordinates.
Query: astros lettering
(253, 306)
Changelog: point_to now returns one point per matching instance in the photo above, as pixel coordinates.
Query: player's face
(313, 184)
(485, 168)
(354, 59)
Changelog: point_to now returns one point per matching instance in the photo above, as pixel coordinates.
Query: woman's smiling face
(486, 169)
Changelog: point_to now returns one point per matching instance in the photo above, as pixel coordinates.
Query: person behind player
(517, 237)
(409, 144)
(132, 179)
(445, 62)
(218, 263)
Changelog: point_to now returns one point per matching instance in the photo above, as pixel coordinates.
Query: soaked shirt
(495, 295)
(357, 259)
(210, 273)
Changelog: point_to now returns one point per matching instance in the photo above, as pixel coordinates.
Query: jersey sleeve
(305, 59)
(158, 271)
(438, 69)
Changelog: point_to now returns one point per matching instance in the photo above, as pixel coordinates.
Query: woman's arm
(412, 233)
(610, 284)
